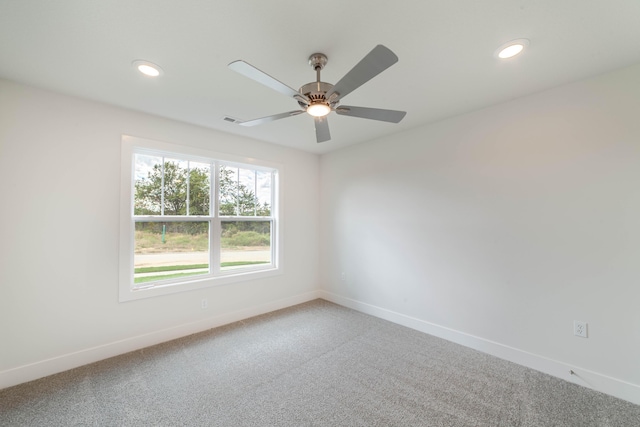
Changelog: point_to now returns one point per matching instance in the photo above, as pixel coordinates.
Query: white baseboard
(584, 377)
(65, 362)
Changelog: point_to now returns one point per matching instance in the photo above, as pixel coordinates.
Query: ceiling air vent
(230, 119)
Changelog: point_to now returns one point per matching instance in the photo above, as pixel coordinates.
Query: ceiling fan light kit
(318, 109)
(319, 98)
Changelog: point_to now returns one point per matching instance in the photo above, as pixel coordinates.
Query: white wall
(498, 228)
(59, 186)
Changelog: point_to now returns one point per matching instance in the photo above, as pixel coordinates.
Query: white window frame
(127, 290)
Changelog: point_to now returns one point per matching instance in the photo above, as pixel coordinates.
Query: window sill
(130, 294)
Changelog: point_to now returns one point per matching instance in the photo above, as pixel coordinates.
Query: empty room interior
(221, 167)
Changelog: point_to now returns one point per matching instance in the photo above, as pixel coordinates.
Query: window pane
(263, 193)
(170, 249)
(148, 185)
(228, 191)
(199, 188)
(244, 192)
(244, 244)
(175, 187)
(247, 201)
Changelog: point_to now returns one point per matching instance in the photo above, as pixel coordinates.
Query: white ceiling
(85, 48)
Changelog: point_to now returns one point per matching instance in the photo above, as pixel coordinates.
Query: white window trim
(126, 290)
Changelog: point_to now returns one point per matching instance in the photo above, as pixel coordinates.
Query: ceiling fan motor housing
(316, 91)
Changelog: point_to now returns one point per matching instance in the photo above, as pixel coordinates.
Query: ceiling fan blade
(392, 116)
(322, 129)
(267, 119)
(253, 73)
(375, 62)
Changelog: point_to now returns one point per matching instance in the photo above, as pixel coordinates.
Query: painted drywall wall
(60, 181)
(502, 227)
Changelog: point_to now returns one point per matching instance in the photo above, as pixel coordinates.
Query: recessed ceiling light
(148, 68)
(511, 49)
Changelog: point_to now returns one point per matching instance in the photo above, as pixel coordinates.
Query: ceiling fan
(318, 98)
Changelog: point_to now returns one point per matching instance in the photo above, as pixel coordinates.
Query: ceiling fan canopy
(319, 98)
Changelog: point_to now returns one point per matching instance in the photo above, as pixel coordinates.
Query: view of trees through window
(175, 221)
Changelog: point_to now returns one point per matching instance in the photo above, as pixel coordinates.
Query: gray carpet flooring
(315, 364)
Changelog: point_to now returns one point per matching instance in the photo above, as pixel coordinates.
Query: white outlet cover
(580, 329)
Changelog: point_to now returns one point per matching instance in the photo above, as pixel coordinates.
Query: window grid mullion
(162, 188)
(237, 191)
(171, 218)
(188, 179)
(215, 247)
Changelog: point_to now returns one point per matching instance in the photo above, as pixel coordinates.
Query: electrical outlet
(204, 304)
(343, 276)
(580, 329)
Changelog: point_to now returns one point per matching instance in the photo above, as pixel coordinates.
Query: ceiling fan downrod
(317, 62)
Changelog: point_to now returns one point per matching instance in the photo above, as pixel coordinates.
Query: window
(192, 218)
